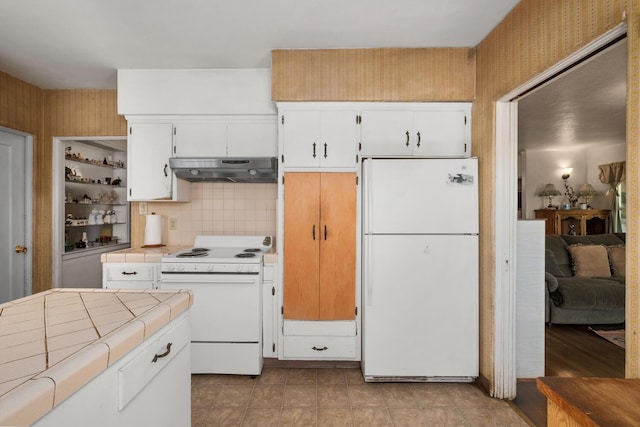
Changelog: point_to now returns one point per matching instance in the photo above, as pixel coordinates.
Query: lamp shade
(587, 190)
(549, 190)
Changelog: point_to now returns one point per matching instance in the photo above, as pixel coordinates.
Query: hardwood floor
(571, 351)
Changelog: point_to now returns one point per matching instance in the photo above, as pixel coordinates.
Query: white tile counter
(55, 342)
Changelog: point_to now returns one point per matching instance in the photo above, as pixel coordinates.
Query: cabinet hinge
(174, 149)
(282, 179)
(356, 311)
(357, 159)
(273, 347)
(283, 119)
(357, 180)
(174, 131)
(130, 130)
(465, 147)
(282, 158)
(359, 146)
(465, 119)
(273, 290)
(282, 309)
(129, 192)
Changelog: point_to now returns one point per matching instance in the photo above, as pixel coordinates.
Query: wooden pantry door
(337, 246)
(301, 248)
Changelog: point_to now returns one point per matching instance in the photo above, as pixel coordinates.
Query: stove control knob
(239, 268)
(170, 267)
(210, 268)
(180, 268)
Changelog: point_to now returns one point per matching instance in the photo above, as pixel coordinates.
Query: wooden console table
(575, 221)
(573, 402)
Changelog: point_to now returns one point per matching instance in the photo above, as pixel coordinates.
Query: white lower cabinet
(139, 389)
(320, 340)
(123, 275)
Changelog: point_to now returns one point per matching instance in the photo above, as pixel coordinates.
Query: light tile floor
(340, 397)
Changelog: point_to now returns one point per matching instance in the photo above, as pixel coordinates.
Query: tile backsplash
(218, 208)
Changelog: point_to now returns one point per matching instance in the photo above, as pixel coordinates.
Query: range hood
(226, 169)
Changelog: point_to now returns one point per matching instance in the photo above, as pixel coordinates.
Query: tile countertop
(156, 254)
(54, 342)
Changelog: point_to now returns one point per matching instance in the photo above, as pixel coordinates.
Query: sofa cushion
(590, 293)
(558, 246)
(551, 265)
(593, 239)
(617, 259)
(590, 261)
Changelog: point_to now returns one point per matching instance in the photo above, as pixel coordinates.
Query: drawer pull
(320, 349)
(166, 353)
(127, 273)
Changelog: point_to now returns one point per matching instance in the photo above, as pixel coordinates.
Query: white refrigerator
(420, 269)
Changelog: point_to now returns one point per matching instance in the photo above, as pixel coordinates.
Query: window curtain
(613, 174)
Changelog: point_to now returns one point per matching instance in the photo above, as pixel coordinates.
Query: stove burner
(195, 252)
(250, 250)
(245, 255)
(191, 255)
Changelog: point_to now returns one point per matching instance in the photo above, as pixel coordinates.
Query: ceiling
(582, 107)
(73, 44)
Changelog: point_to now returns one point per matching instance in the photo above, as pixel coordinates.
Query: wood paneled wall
(534, 36)
(47, 114)
(420, 74)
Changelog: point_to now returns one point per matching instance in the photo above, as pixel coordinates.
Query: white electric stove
(225, 275)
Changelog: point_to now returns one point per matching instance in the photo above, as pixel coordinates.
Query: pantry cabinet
(150, 145)
(319, 138)
(424, 130)
(319, 246)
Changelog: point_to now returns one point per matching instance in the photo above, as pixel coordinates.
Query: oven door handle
(206, 279)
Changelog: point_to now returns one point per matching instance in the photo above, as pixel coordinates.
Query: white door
(339, 136)
(15, 192)
(148, 151)
(420, 196)
(441, 133)
(387, 133)
(421, 306)
(301, 138)
(200, 139)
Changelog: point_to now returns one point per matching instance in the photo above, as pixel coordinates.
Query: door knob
(21, 249)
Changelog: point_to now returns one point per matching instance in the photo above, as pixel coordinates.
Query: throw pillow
(617, 259)
(550, 264)
(590, 260)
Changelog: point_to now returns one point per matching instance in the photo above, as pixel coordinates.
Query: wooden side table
(575, 221)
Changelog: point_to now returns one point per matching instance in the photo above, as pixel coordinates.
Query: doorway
(506, 215)
(16, 156)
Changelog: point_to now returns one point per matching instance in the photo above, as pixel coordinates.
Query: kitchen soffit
(80, 44)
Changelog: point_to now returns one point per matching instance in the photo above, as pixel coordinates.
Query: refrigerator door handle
(368, 277)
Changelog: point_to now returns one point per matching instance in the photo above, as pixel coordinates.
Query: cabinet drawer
(140, 370)
(129, 272)
(269, 272)
(320, 347)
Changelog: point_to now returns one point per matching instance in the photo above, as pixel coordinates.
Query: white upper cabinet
(259, 139)
(200, 139)
(226, 137)
(319, 138)
(424, 130)
(149, 177)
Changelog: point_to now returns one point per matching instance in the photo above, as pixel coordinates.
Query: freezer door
(420, 306)
(420, 196)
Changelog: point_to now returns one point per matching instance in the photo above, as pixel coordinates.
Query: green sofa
(581, 300)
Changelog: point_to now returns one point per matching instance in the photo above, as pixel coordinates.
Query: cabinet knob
(165, 170)
(21, 249)
(418, 139)
(320, 348)
(325, 150)
(407, 144)
(314, 150)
